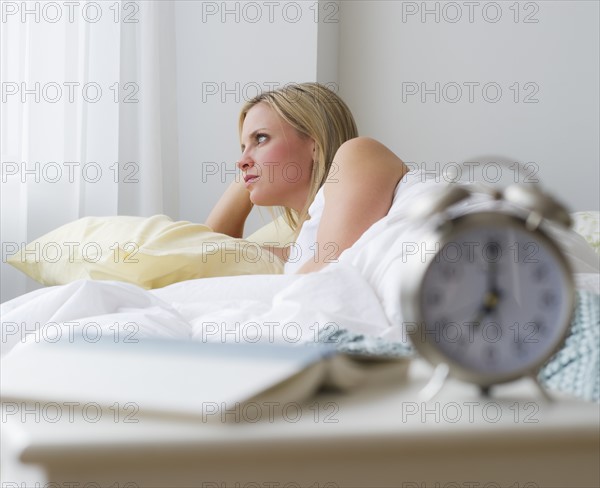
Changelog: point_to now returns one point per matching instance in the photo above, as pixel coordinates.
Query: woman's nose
(245, 162)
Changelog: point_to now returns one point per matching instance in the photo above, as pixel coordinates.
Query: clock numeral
(541, 328)
(520, 345)
(449, 272)
(521, 349)
(540, 273)
(549, 298)
(433, 298)
(490, 354)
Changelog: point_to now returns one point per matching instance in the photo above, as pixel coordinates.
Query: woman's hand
(231, 211)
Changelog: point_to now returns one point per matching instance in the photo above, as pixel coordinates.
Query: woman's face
(276, 160)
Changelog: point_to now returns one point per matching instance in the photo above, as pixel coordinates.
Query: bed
(352, 303)
(130, 277)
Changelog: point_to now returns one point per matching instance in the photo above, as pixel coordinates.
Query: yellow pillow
(149, 252)
(277, 233)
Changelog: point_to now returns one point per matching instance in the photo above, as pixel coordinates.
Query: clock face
(495, 301)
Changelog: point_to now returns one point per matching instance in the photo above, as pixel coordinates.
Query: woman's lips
(249, 179)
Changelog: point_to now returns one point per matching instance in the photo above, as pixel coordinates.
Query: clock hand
(492, 295)
(490, 301)
(492, 269)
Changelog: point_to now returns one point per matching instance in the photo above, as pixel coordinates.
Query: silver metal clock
(494, 301)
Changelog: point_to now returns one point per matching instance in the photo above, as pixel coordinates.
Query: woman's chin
(256, 198)
(262, 198)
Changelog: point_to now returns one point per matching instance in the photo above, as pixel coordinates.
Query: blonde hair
(317, 112)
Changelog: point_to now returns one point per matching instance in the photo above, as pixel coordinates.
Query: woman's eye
(261, 138)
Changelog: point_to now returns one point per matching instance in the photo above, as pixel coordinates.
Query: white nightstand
(373, 437)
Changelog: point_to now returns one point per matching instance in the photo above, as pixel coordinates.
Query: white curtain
(89, 123)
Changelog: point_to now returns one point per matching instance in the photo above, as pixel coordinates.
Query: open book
(182, 378)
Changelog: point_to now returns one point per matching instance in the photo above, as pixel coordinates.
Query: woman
(301, 151)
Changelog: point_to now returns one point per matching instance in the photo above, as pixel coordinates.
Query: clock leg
(485, 391)
(435, 383)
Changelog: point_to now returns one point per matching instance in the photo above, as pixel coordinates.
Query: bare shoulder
(361, 144)
(365, 157)
(358, 191)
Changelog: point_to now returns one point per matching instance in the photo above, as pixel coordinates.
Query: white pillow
(588, 225)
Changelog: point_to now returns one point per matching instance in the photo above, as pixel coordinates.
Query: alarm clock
(492, 298)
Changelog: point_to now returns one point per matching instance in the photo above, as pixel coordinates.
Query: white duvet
(359, 293)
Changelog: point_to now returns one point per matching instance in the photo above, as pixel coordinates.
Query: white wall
(223, 58)
(382, 51)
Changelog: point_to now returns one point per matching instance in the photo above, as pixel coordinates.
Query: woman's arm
(231, 211)
(359, 194)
